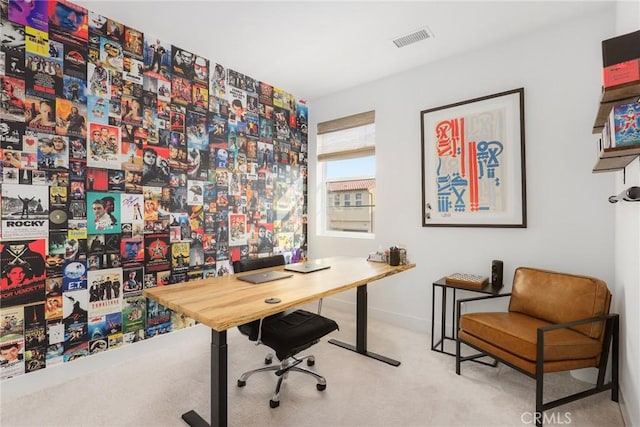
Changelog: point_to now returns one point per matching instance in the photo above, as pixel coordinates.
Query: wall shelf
(613, 159)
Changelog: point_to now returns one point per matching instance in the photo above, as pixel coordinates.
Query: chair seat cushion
(516, 333)
(295, 331)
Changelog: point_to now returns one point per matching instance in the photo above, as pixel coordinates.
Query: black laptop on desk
(306, 267)
(265, 276)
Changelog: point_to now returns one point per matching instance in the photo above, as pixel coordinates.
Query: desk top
(224, 302)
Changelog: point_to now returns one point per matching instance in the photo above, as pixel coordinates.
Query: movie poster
(155, 166)
(74, 307)
(31, 13)
(54, 355)
(34, 326)
(157, 57)
(13, 99)
(157, 252)
(104, 146)
(103, 216)
(37, 42)
(134, 314)
(71, 119)
(53, 308)
(180, 257)
(114, 324)
(132, 251)
(12, 359)
(68, 21)
(132, 282)
(181, 321)
(12, 324)
(98, 82)
(158, 319)
(218, 82)
(195, 192)
(131, 208)
(75, 276)
(105, 291)
(197, 136)
(43, 75)
(77, 348)
(40, 113)
(75, 60)
(74, 89)
(12, 46)
(237, 232)
(97, 109)
(25, 211)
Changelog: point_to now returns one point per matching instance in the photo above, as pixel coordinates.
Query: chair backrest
(257, 263)
(252, 329)
(560, 297)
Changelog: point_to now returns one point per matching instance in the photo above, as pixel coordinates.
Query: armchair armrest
(607, 318)
(462, 301)
(611, 332)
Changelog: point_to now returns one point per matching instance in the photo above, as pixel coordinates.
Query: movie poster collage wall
(129, 163)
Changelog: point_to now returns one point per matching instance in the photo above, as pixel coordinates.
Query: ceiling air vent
(413, 37)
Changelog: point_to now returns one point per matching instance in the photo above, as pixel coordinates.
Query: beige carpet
(156, 389)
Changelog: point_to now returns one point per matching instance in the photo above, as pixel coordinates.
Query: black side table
(488, 289)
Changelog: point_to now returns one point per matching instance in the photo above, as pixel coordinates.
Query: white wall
(627, 254)
(570, 223)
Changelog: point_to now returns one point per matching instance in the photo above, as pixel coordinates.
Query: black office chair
(286, 333)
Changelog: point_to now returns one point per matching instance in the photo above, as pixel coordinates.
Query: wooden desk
(224, 302)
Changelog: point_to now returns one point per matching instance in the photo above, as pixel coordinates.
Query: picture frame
(473, 163)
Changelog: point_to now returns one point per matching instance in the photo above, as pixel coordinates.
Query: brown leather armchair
(555, 322)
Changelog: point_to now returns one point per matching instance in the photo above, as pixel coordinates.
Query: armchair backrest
(560, 297)
(257, 263)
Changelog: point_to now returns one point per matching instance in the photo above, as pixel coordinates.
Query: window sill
(348, 235)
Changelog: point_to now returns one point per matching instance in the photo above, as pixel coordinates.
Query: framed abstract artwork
(473, 163)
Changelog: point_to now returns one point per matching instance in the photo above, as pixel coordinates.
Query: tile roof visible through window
(360, 184)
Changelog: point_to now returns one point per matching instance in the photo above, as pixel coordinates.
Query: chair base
(281, 371)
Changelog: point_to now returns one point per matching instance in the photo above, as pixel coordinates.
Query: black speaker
(496, 273)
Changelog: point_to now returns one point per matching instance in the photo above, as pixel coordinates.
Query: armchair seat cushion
(516, 333)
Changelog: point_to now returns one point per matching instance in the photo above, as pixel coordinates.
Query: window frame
(324, 158)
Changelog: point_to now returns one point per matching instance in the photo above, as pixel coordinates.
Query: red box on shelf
(624, 72)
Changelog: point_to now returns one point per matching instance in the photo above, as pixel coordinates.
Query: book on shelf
(606, 136)
(624, 125)
(468, 280)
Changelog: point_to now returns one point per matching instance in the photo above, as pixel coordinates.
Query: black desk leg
(361, 330)
(218, 385)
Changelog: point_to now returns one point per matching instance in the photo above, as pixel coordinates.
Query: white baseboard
(403, 321)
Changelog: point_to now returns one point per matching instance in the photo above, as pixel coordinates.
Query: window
(346, 171)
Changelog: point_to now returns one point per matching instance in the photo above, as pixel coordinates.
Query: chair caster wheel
(241, 383)
(310, 362)
(274, 403)
(321, 387)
